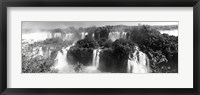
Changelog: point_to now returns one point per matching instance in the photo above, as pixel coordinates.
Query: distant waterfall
(46, 51)
(138, 63)
(116, 35)
(57, 35)
(96, 57)
(123, 35)
(37, 36)
(40, 52)
(93, 35)
(68, 36)
(61, 59)
(83, 34)
(49, 35)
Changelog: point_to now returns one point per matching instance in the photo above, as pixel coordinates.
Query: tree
(32, 62)
(87, 43)
(121, 50)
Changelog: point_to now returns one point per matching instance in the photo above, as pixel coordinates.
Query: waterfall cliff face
(138, 63)
(116, 35)
(96, 57)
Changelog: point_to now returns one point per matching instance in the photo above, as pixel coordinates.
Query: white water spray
(57, 35)
(93, 35)
(83, 34)
(116, 35)
(123, 35)
(40, 52)
(61, 60)
(96, 57)
(138, 63)
(68, 36)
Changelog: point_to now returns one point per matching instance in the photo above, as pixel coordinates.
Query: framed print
(93, 47)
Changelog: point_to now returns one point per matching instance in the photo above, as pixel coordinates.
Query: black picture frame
(99, 3)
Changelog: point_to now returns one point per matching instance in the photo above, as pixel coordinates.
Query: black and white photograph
(99, 46)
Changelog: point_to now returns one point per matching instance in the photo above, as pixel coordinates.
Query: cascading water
(61, 60)
(49, 35)
(68, 36)
(93, 35)
(46, 52)
(116, 35)
(57, 35)
(138, 63)
(83, 34)
(40, 52)
(123, 35)
(96, 57)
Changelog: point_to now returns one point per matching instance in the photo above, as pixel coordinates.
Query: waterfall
(46, 52)
(40, 52)
(123, 35)
(68, 36)
(96, 57)
(83, 34)
(49, 35)
(93, 35)
(57, 35)
(116, 35)
(61, 59)
(138, 63)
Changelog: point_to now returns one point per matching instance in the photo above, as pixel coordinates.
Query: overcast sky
(77, 24)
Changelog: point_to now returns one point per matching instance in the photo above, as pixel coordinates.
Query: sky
(77, 24)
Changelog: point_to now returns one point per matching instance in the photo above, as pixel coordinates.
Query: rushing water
(40, 52)
(83, 34)
(116, 35)
(138, 63)
(96, 57)
(93, 35)
(61, 63)
(61, 60)
(57, 35)
(68, 36)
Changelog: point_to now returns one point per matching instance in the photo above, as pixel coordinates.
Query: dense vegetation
(161, 49)
(33, 63)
